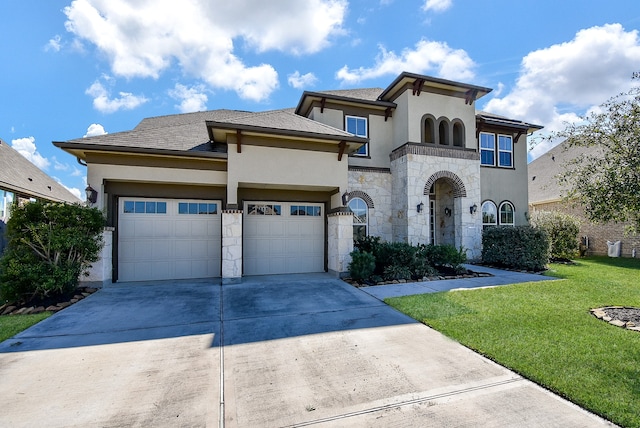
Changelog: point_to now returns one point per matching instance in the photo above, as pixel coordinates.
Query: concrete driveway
(295, 350)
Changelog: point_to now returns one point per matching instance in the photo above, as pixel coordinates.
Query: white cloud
(301, 81)
(27, 148)
(94, 130)
(191, 99)
(142, 39)
(59, 166)
(559, 83)
(427, 57)
(104, 104)
(74, 190)
(54, 44)
(437, 5)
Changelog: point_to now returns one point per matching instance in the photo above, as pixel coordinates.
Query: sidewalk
(500, 277)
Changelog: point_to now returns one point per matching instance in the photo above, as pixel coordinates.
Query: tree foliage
(605, 177)
(50, 245)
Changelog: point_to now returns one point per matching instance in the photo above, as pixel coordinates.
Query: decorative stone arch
(362, 195)
(428, 129)
(459, 191)
(458, 133)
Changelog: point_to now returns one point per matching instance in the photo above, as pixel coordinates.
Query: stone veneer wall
(340, 241)
(375, 183)
(412, 165)
(100, 273)
(231, 246)
(598, 234)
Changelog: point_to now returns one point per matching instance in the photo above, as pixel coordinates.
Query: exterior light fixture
(92, 194)
(473, 209)
(345, 199)
(420, 207)
(447, 212)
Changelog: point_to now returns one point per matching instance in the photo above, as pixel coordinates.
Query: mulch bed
(441, 277)
(620, 316)
(50, 304)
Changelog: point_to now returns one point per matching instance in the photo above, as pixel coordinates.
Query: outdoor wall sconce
(420, 207)
(447, 212)
(345, 199)
(473, 209)
(92, 194)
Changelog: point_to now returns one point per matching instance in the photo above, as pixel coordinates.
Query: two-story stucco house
(229, 193)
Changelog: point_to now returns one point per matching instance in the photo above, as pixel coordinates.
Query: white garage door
(168, 239)
(283, 237)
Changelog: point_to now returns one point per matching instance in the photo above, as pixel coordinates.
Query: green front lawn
(10, 325)
(544, 331)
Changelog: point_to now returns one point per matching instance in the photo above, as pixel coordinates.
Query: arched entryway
(443, 188)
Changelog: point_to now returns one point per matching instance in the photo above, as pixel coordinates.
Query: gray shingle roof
(20, 176)
(543, 185)
(367, 94)
(188, 118)
(284, 120)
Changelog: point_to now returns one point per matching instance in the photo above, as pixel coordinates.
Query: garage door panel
(163, 244)
(292, 242)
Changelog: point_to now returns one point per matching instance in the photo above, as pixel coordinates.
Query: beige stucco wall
(407, 118)
(279, 168)
(97, 174)
(508, 184)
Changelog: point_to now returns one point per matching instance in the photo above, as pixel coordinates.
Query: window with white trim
(197, 208)
(487, 149)
(505, 151)
(507, 214)
(357, 126)
(489, 214)
(360, 217)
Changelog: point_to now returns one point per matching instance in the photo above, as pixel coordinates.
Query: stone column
(340, 245)
(231, 246)
(100, 272)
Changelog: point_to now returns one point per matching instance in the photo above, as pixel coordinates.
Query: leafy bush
(50, 245)
(395, 271)
(520, 247)
(563, 230)
(367, 243)
(444, 256)
(362, 265)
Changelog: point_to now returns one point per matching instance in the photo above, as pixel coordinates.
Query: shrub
(362, 265)
(50, 245)
(443, 256)
(396, 271)
(563, 230)
(520, 247)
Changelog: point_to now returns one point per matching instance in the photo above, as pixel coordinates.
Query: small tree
(50, 245)
(606, 179)
(562, 230)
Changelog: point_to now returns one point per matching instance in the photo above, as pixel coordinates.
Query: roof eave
(304, 106)
(75, 148)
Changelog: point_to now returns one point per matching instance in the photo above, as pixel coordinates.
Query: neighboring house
(22, 180)
(545, 194)
(230, 193)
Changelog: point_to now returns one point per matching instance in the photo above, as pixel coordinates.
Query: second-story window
(505, 151)
(487, 149)
(358, 126)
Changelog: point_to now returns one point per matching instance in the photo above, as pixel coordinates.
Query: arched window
(428, 129)
(489, 214)
(506, 214)
(443, 133)
(360, 217)
(458, 134)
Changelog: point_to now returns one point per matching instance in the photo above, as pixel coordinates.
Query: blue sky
(85, 67)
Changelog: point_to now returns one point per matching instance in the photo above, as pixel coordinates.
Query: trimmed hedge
(520, 247)
(563, 230)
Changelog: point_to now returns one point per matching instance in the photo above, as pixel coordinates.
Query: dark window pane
(151, 208)
(193, 208)
(183, 208)
(505, 159)
(129, 207)
(139, 207)
(213, 208)
(203, 209)
(161, 208)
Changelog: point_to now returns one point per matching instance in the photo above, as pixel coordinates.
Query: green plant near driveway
(544, 331)
(10, 325)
